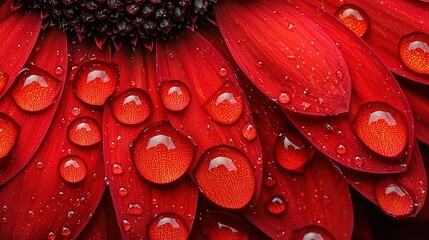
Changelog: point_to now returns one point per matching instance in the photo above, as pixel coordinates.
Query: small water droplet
(75, 111)
(72, 169)
(284, 98)
(135, 209)
(59, 70)
(269, 181)
(30, 215)
(249, 131)
(353, 17)
(175, 95)
(84, 131)
(292, 151)
(312, 232)
(65, 231)
(341, 149)
(51, 236)
(167, 226)
(132, 106)
(116, 169)
(122, 192)
(276, 205)
(126, 225)
(223, 72)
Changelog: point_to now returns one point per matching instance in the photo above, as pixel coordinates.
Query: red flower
(251, 122)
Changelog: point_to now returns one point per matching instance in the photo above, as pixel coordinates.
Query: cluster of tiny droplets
(119, 20)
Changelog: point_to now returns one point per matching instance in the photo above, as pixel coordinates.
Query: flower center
(119, 20)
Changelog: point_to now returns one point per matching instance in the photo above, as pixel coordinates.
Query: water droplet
(116, 169)
(135, 209)
(35, 90)
(72, 169)
(132, 106)
(84, 131)
(161, 153)
(226, 105)
(223, 72)
(312, 233)
(225, 175)
(95, 81)
(222, 225)
(51, 236)
(341, 149)
(65, 231)
(75, 111)
(30, 215)
(269, 181)
(4, 220)
(59, 70)
(249, 132)
(382, 128)
(4, 209)
(9, 132)
(122, 192)
(126, 225)
(3, 79)
(175, 95)
(353, 17)
(414, 52)
(358, 161)
(292, 151)
(393, 198)
(276, 205)
(166, 226)
(284, 98)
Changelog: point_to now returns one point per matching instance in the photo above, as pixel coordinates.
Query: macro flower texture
(214, 119)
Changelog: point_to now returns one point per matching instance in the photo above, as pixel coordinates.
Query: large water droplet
(175, 95)
(95, 81)
(225, 175)
(312, 233)
(393, 198)
(132, 106)
(161, 153)
(353, 17)
(166, 226)
(84, 131)
(292, 151)
(382, 128)
(414, 52)
(276, 205)
(35, 90)
(9, 131)
(216, 225)
(72, 169)
(3, 79)
(226, 105)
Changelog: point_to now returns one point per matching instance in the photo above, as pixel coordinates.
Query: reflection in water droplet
(175, 95)
(166, 226)
(414, 52)
(84, 131)
(132, 106)
(292, 151)
(72, 169)
(393, 198)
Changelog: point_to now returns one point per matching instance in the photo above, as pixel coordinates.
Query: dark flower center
(120, 20)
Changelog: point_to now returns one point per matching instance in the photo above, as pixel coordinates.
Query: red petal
(136, 200)
(103, 224)
(48, 206)
(389, 22)
(34, 125)
(318, 196)
(327, 134)
(182, 60)
(284, 52)
(18, 34)
(5, 9)
(413, 181)
(417, 97)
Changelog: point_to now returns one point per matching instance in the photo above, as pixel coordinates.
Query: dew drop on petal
(122, 192)
(353, 17)
(269, 181)
(225, 176)
(226, 105)
(393, 198)
(161, 153)
(284, 98)
(30, 215)
(126, 225)
(223, 225)
(84, 131)
(175, 95)
(249, 132)
(276, 205)
(166, 226)
(35, 90)
(95, 81)
(4, 77)
(51, 236)
(341, 149)
(223, 72)
(116, 169)
(414, 52)
(132, 106)
(9, 131)
(382, 128)
(72, 169)
(292, 151)
(312, 233)
(135, 209)
(65, 231)
(59, 70)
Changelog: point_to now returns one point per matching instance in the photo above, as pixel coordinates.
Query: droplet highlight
(354, 18)
(312, 233)
(162, 154)
(414, 52)
(132, 106)
(168, 226)
(226, 105)
(382, 128)
(175, 95)
(225, 176)
(35, 90)
(9, 132)
(72, 169)
(95, 81)
(393, 199)
(292, 151)
(84, 131)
